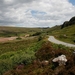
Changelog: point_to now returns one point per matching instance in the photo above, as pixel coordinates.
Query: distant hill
(68, 23)
(19, 31)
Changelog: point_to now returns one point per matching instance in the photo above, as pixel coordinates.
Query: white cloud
(8, 1)
(37, 13)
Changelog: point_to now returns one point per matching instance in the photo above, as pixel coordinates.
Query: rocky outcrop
(68, 23)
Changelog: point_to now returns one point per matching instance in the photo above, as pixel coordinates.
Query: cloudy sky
(35, 13)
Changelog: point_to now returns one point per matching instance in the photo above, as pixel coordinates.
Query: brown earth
(6, 39)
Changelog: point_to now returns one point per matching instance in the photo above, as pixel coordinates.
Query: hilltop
(68, 23)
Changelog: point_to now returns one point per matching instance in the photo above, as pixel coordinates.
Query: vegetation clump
(18, 38)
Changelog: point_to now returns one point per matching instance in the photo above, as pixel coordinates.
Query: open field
(17, 31)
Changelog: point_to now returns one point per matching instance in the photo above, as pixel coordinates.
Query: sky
(72, 1)
(35, 13)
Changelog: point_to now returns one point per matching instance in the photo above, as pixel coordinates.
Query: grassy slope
(66, 34)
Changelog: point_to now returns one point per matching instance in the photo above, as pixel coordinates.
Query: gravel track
(54, 40)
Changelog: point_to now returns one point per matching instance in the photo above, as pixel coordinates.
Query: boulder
(60, 59)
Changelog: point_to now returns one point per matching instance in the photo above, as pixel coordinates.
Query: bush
(74, 40)
(37, 33)
(40, 38)
(18, 38)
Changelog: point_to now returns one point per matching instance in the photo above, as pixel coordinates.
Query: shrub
(37, 33)
(40, 38)
(18, 38)
(74, 40)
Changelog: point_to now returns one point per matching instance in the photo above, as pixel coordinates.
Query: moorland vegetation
(28, 56)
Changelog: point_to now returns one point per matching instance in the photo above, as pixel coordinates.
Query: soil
(6, 39)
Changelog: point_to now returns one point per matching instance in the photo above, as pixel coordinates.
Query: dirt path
(52, 39)
(6, 39)
(3, 39)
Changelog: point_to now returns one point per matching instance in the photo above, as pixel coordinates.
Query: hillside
(65, 32)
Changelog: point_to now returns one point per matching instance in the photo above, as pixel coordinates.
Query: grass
(19, 51)
(16, 45)
(66, 34)
(18, 31)
(24, 55)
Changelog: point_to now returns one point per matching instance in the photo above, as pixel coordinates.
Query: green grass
(16, 45)
(11, 58)
(66, 34)
(70, 34)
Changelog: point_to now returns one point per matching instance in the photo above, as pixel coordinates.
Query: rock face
(60, 59)
(68, 23)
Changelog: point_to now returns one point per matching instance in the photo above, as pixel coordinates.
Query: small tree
(37, 33)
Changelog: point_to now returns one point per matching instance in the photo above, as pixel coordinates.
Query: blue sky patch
(72, 1)
(35, 12)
